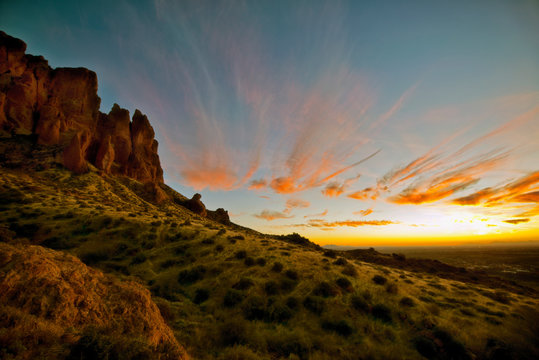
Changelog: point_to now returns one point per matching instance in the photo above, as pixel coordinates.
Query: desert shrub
(221, 232)
(399, 257)
(324, 289)
(156, 223)
(287, 284)
(314, 304)
(499, 296)
(425, 347)
(254, 308)
(341, 327)
(271, 287)
(201, 295)
(241, 254)
(392, 288)
(330, 254)
(291, 274)
(232, 298)
(94, 257)
(292, 302)
(382, 313)
(138, 259)
(349, 270)
(219, 248)
(406, 301)
(239, 352)
(467, 312)
(277, 267)
(341, 261)
(208, 241)
(366, 295)
(453, 348)
(25, 230)
(249, 261)
(93, 344)
(169, 263)
(283, 343)
(359, 304)
(243, 284)
(344, 283)
(234, 331)
(278, 312)
(379, 280)
(261, 262)
(192, 275)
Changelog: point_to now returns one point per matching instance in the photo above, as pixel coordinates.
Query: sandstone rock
(75, 153)
(117, 125)
(46, 290)
(105, 155)
(220, 215)
(157, 194)
(144, 164)
(195, 205)
(56, 103)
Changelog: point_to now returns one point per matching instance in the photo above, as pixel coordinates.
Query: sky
(350, 122)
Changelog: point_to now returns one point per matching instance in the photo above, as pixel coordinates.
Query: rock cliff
(60, 107)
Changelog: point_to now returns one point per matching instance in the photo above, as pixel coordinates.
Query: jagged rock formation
(196, 205)
(61, 107)
(56, 292)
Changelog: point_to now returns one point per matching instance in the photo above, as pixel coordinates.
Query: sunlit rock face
(60, 107)
(56, 291)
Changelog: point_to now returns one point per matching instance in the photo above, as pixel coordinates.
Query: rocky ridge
(60, 107)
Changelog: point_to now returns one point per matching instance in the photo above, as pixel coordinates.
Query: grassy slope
(219, 288)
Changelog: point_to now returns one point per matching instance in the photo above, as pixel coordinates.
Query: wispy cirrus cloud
(322, 214)
(363, 212)
(516, 221)
(295, 203)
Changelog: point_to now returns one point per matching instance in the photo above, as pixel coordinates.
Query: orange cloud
(199, 178)
(516, 221)
(295, 203)
(270, 215)
(363, 212)
(319, 223)
(333, 189)
(283, 185)
(515, 192)
(365, 194)
(257, 184)
(323, 213)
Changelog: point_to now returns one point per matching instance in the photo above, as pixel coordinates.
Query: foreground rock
(54, 306)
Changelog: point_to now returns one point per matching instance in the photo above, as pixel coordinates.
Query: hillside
(225, 291)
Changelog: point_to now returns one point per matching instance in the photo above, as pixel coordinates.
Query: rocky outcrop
(220, 215)
(43, 290)
(196, 205)
(60, 107)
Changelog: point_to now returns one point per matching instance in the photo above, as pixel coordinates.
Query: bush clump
(201, 295)
(232, 298)
(271, 287)
(382, 313)
(344, 284)
(261, 262)
(192, 275)
(291, 274)
(233, 332)
(243, 284)
(349, 270)
(359, 304)
(279, 313)
(406, 301)
(254, 308)
(241, 254)
(379, 280)
(341, 261)
(324, 289)
(249, 261)
(277, 267)
(314, 304)
(341, 327)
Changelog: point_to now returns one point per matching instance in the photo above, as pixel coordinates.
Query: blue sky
(272, 109)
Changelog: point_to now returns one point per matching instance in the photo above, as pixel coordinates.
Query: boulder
(105, 155)
(196, 205)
